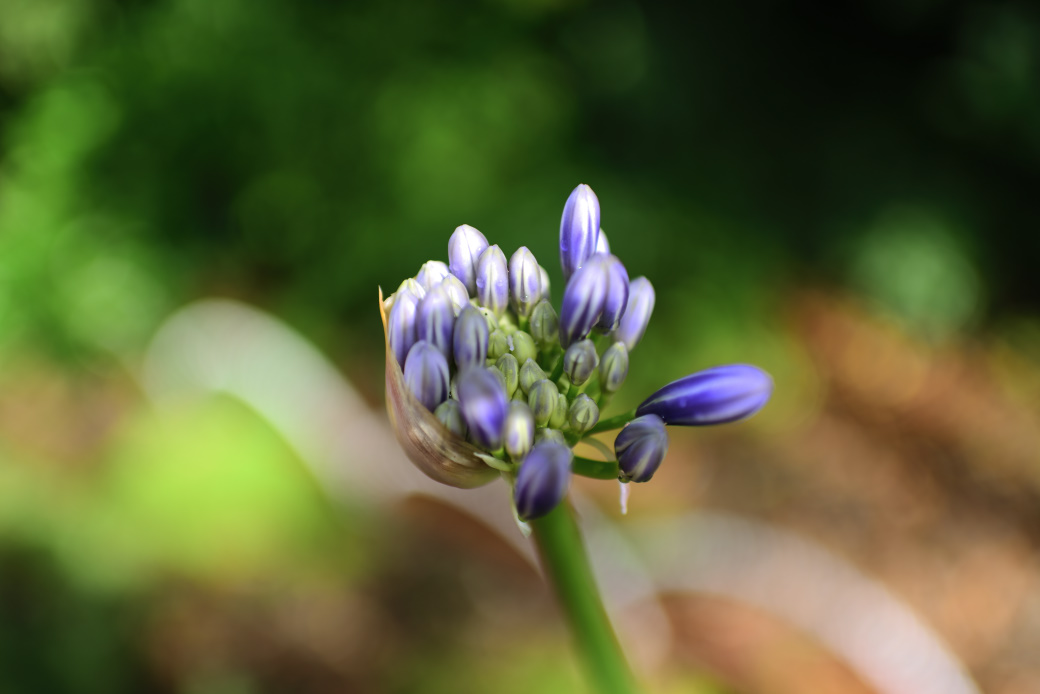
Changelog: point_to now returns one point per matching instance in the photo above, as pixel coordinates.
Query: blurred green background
(754, 161)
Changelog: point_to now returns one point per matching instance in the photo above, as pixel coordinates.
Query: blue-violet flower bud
(580, 361)
(525, 281)
(484, 404)
(714, 396)
(456, 292)
(542, 480)
(518, 435)
(493, 280)
(401, 324)
(426, 374)
(640, 306)
(602, 245)
(640, 447)
(583, 300)
(450, 415)
(435, 320)
(431, 274)
(617, 294)
(470, 339)
(613, 368)
(579, 229)
(464, 248)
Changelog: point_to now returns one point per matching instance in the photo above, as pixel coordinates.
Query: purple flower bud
(493, 280)
(426, 374)
(617, 294)
(456, 292)
(640, 447)
(640, 306)
(484, 405)
(602, 245)
(431, 274)
(714, 396)
(401, 324)
(518, 434)
(410, 285)
(435, 320)
(583, 300)
(525, 281)
(470, 339)
(464, 248)
(542, 480)
(579, 229)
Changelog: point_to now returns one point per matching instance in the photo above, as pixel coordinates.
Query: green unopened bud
(545, 325)
(580, 361)
(511, 370)
(450, 416)
(523, 346)
(542, 399)
(489, 317)
(498, 344)
(500, 376)
(554, 435)
(613, 368)
(520, 395)
(559, 415)
(530, 373)
(518, 431)
(583, 414)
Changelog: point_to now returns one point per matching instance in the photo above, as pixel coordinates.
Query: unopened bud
(523, 346)
(450, 415)
(510, 371)
(530, 373)
(545, 325)
(583, 414)
(614, 367)
(580, 361)
(542, 401)
(518, 434)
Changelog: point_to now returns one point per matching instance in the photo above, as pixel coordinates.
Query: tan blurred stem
(566, 565)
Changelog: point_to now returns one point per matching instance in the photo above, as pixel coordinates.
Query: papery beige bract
(438, 453)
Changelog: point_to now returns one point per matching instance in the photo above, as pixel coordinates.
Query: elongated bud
(470, 339)
(559, 415)
(525, 281)
(401, 324)
(464, 248)
(435, 320)
(617, 294)
(580, 361)
(640, 307)
(613, 368)
(640, 447)
(542, 401)
(493, 280)
(546, 289)
(431, 274)
(518, 435)
(510, 369)
(602, 245)
(554, 435)
(483, 403)
(426, 374)
(543, 480)
(583, 414)
(523, 347)
(456, 291)
(545, 325)
(530, 373)
(450, 415)
(579, 229)
(714, 396)
(498, 344)
(583, 300)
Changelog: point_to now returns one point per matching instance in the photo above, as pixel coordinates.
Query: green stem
(596, 469)
(567, 568)
(612, 423)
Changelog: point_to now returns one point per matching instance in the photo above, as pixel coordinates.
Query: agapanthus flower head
(640, 448)
(713, 396)
(579, 229)
(464, 248)
(543, 479)
(482, 399)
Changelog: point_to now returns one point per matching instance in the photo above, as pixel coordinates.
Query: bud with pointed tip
(579, 229)
(412, 286)
(470, 339)
(546, 290)
(450, 415)
(498, 344)
(545, 325)
(456, 291)
(613, 368)
(542, 400)
(640, 447)
(431, 274)
(580, 361)
(602, 245)
(584, 299)
(523, 347)
(637, 315)
(464, 248)
(518, 434)
(543, 479)
(713, 396)
(483, 403)
(617, 294)
(559, 415)
(435, 320)
(510, 368)
(426, 374)
(492, 280)
(530, 373)
(525, 281)
(401, 324)
(583, 414)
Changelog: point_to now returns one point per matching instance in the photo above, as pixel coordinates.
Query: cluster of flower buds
(514, 385)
